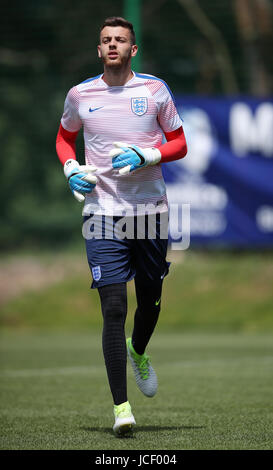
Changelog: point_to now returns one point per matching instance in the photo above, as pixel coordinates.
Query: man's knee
(149, 296)
(113, 299)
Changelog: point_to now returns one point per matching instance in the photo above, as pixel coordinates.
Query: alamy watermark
(143, 221)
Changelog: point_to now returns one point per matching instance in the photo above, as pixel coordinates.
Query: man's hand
(80, 178)
(128, 158)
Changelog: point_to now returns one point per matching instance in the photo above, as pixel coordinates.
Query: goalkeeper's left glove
(128, 158)
(80, 178)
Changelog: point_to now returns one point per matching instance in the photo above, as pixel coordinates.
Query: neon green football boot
(124, 419)
(145, 375)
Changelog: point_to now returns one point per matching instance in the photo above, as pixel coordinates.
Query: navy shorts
(114, 260)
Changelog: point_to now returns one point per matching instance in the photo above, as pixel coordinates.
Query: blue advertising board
(227, 175)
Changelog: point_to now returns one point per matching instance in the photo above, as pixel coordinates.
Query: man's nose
(112, 44)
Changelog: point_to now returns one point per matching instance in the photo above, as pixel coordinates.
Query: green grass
(215, 392)
(212, 350)
(209, 291)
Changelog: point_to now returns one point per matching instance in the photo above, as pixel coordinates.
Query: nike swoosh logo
(94, 109)
(157, 301)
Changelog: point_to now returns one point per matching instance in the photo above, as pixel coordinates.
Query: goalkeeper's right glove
(128, 158)
(80, 178)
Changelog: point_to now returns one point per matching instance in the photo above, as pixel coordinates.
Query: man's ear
(99, 52)
(134, 50)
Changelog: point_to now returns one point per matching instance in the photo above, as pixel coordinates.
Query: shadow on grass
(143, 429)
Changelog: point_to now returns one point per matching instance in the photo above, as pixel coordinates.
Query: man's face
(115, 47)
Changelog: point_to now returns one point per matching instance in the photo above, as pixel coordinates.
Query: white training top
(135, 113)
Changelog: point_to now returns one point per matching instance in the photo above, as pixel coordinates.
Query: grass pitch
(215, 392)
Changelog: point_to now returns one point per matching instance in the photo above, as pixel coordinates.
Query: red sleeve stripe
(153, 85)
(74, 95)
(168, 112)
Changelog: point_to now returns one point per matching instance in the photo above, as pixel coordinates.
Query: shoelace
(143, 366)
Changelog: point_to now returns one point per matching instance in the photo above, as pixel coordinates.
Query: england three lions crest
(139, 105)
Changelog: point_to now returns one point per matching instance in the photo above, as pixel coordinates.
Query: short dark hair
(119, 21)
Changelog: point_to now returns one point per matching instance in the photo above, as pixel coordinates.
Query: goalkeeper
(123, 115)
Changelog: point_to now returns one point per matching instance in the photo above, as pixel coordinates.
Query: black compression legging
(114, 310)
(146, 316)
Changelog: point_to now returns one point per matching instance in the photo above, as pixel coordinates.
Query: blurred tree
(218, 47)
(255, 26)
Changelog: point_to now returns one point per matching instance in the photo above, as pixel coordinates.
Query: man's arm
(80, 177)
(66, 144)
(175, 147)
